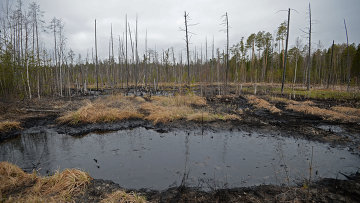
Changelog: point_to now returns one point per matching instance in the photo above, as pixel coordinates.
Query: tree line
(30, 69)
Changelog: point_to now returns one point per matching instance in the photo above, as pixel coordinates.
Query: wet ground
(141, 158)
(182, 161)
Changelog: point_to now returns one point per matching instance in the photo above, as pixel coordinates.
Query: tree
(226, 23)
(96, 61)
(186, 16)
(287, 40)
(347, 58)
(250, 44)
(267, 46)
(309, 56)
(297, 54)
(331, 65)
(281, 33)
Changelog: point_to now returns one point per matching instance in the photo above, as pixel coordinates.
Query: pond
(141, 158)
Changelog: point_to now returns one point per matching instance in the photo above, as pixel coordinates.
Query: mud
(288, 123)
(324, 190)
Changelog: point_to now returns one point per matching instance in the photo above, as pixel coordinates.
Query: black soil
(288, 123)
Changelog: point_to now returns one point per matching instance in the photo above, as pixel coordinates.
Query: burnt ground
(325, 190)
(37, 114)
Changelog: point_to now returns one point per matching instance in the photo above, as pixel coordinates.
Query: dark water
(141, 158)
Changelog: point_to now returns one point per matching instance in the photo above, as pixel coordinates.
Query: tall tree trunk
(187, 48)
(347, 59)
(96, 62)
(331, 65)
(287, 40)
(309, 57)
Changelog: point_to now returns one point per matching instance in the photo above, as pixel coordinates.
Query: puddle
(141, 158)
(331, 128)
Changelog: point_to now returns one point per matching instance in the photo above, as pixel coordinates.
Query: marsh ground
(323, 116)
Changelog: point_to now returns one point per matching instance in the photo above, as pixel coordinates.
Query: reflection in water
(141, 158)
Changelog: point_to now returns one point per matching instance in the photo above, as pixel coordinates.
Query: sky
(162, 20)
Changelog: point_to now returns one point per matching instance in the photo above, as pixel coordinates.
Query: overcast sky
(162, 19)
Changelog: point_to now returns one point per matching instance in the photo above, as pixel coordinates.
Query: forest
(269, 116)
(30, 69)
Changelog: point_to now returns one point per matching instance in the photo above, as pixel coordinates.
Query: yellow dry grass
(231, 117)
(12, 176)
(159, 109)
(326, 114)
(109, 109)
(179, 100)
(202, 116)
(288, 101)
(60, 187)
(261, 104)
(347, 110)
(120, 196)
(164, 114)
(6, 126)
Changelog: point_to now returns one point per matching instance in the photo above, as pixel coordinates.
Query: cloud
(162, 20)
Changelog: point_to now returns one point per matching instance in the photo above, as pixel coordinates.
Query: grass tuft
(346, 110)
(120, 196)
(6, 126)
(109, 109)
(159, 109)
(326, 114)
(19, 186)
(11, 176)
(262, 104)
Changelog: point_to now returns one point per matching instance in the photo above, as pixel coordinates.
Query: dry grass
(262, 104)
(231, 117)
(179, 100)
(288, 101)
(159, 109)
(164, 114)
(323, 113)
(6, 126)
(18, 186)
(167, 109)
(59, 187)
(66, 184)
(202, 116)
(12, 176)
(123, 197)
(346, 110)
(108, 109)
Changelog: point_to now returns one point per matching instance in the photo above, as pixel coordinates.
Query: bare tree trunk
(331, 65)
(126, 56)
(26, 59)
(136, 55)
(227, 53)
(187, 48)
(309, 58)
(296, 65)
(347, 59)
(145, 60)
(96, 62)
(212, 62)
(286, 47)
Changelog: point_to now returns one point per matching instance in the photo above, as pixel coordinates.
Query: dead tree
(126, 56)
(331, 65)
(96, 62)
(286, 48)
(145, 61)
(136, 55)
(309, 56)
(187, 47)
(226, 24)
(347, 59)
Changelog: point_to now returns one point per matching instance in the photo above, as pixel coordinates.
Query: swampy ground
(324, 116)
